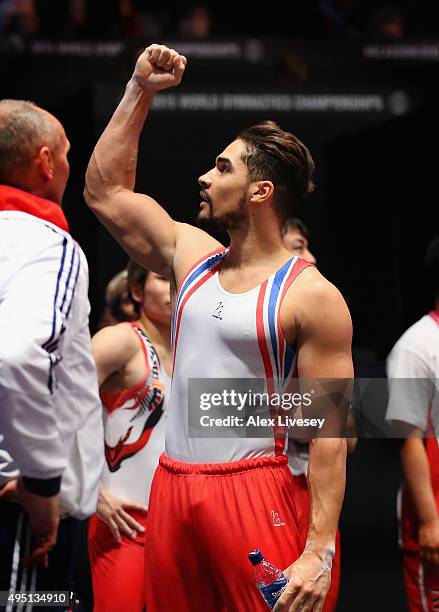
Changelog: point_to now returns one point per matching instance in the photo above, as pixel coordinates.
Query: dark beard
(228, 222)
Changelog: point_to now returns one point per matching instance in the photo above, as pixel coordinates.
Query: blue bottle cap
(255, 556)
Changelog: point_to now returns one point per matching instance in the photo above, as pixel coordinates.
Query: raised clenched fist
(159, 67)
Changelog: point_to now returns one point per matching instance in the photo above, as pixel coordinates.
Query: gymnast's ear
(261, 192)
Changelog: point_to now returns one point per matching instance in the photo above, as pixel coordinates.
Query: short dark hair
(295, 223)
(24, 128)
(278, 156)
(135, 275)
(115, 293)
(431, 267)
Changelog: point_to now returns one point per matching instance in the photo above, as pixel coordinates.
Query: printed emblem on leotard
(146, 407)
(124, 449)
(218, 312)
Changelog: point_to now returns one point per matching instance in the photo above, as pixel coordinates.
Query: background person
(50, 418)
(295, 237)
(134, 366)
(118, 303)
(413, 372)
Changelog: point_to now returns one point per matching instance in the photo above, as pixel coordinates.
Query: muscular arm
(417, 476)
(141, 226)
(324, 334)
(325, 353)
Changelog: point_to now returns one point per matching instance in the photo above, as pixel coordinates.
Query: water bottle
(269, 579)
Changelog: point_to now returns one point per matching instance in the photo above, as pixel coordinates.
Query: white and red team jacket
(50, 412)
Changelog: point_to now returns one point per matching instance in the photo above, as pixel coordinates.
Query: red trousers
(301, 496)
(421, 579)
(117, 569)
(421, 584)
(203, 520)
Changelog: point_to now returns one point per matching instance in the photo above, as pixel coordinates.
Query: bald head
(25, 131)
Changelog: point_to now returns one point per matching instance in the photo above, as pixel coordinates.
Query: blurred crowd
(199, 20)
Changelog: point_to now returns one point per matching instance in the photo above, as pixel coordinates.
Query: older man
(50, 418)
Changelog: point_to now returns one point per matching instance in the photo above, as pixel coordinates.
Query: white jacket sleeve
(34, 308)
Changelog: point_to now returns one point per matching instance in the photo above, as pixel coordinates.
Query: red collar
(23, 201)
(434, 314)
